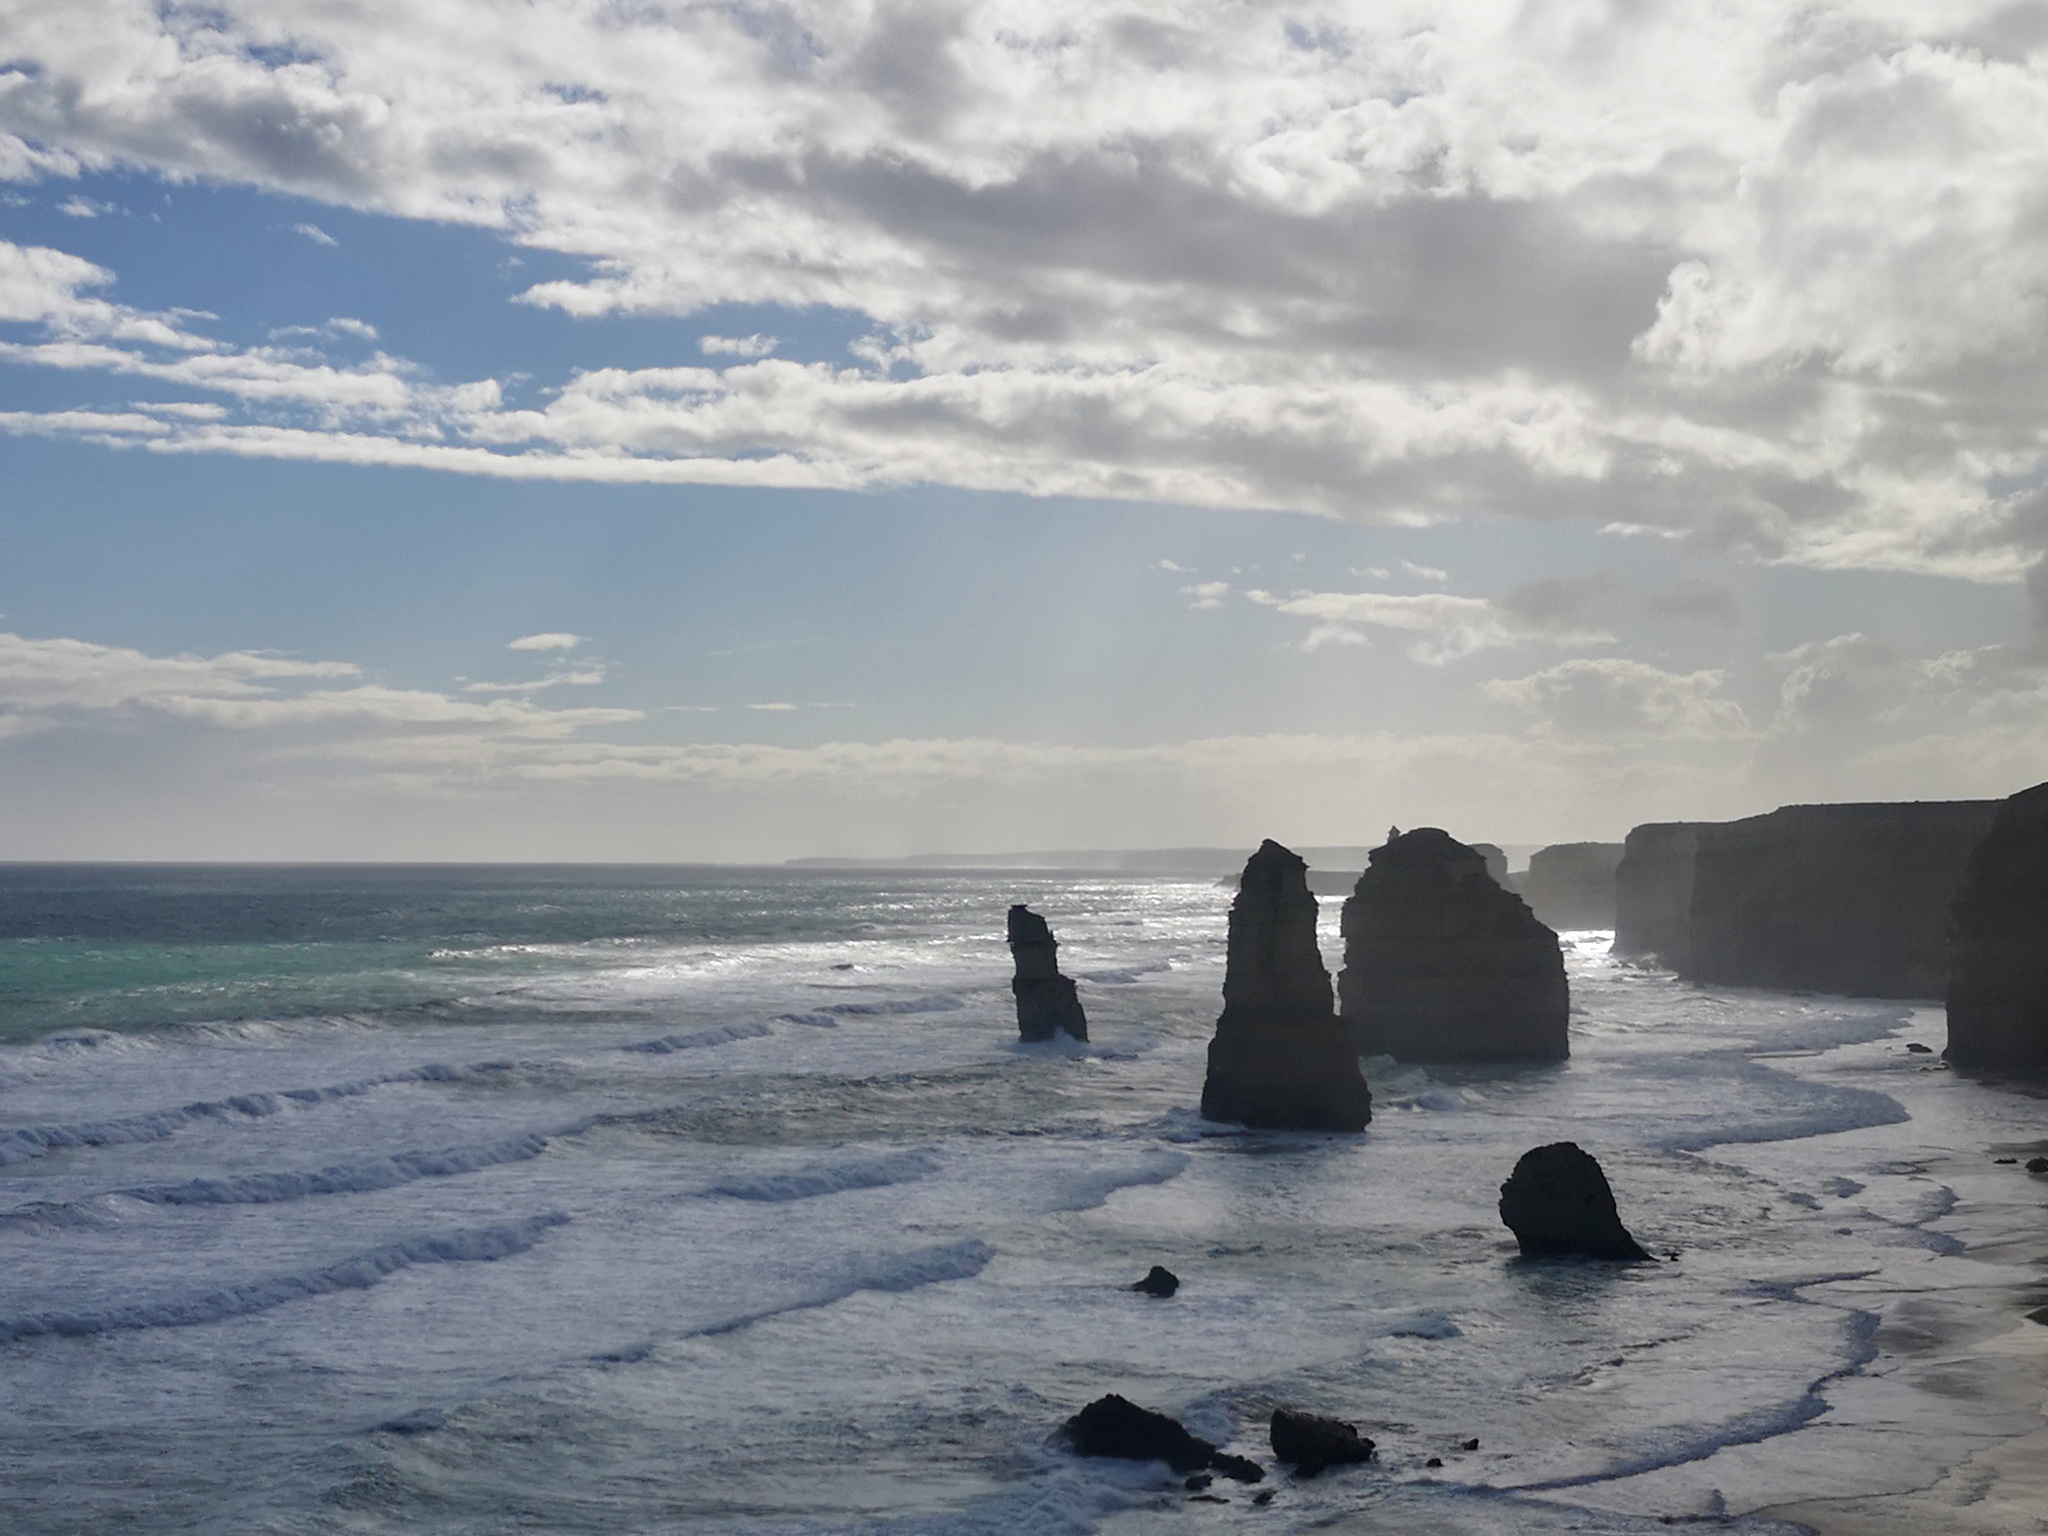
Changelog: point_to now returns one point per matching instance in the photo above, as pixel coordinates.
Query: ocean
(685, 1200)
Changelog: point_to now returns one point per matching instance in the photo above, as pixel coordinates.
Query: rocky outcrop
(1281, 1059)
(1851, 899)
(1309, 1442)
(1998, 981)
(1441, 964)
(1115, 1426)
(1653, 893)
(1571, 885)
(1046, 1000)
(1557, 1202)
(1496, 862)
(1159, 1281)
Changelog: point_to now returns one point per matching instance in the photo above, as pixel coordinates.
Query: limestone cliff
(1653, 892)
(1442, 964)
(1998, 984)
(1281, 1059)
(1832, 898)
(1571, 885)
(1046, 1001)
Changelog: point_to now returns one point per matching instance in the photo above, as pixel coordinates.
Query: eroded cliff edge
(1998, 983)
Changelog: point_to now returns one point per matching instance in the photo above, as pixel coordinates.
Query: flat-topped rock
(1998, 980)
(1047, 1003)
(1442, 964)
(1557, 1202)
(1281, 1059)
(1653, 893)
(1571, 885)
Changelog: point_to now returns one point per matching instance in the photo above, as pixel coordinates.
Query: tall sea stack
(1281, 1059)
(1046, 1000)
(1998, 981)
(1441, 964)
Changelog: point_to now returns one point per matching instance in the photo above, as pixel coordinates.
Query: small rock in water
(1557, 1201)
(1470, 1445)
(1198, 1482)
(1434, 1461)
(1309, 1442)
(1159, 1281)
(1263, 1496)
(1117, 1427)
(844, 965)
(1918, 1049)
(1207, 1498)
(2037, 1165)
(2005, 1159)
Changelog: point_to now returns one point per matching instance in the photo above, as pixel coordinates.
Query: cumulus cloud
(550, 640)
(737, 346)
(1766, 277)
(1205, 594)
(1450, 627)
(1611, 696)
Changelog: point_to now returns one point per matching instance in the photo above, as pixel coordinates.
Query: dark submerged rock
(1998, 981)
(1114, 1426)
(1281, 1059)
(1442, 964)
(1046, 1000)
(2037, 1165)
(1557, 1202)
(1309, 1442)
(1159, 1281)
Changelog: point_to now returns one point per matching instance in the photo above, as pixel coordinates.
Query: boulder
(1308, 1442)
(1159, 1281)
(1998, 981)
(1442, 964)
(1653, 893)
(1046, 1000)
(1851, 899)
(1116, 1427)
(1281, 1059)
(1571, 885)
(1557, 1202)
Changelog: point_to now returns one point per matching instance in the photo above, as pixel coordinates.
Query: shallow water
(629, 1200)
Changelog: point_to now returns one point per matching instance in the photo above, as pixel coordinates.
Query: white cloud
(1428, 573)
(1612, 696)
(1763, 275)
(586, 677)
(738, 346)
(550, 640)
(1168, 565)
(83, 208)
(1206, 594)
(315, 233)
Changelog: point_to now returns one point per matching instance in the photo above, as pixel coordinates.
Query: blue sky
(942, 471)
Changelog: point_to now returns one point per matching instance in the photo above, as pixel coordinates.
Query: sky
(654, 429)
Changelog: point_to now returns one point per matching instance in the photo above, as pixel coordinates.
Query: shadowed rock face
(1046, 1000)
(1557, 1202)
(1441, 964)
(1309, 1442)
(1832, 898)
(1281, 1059)
(1653, 892)
(1115, 1426)
(1571, 885)
(1998, 981)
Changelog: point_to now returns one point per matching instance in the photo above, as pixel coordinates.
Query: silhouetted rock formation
(1441, 964)
(1115, 1426)
(1496, 863)
(1833, 898)
(1571, 885)
(1653, 892)
(1308, 1442)
(1998, 987)
(1557, 1202)
(1159, 1281)
(1046, 1000)
(1281, 1059)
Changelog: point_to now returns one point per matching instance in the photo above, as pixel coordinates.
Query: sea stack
(1441, 964)
(1557, 1202)
(1281, 1059)
(1571, 885)
(1046, 1000)
(1998, 977)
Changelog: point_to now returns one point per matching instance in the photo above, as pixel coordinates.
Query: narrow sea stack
(1571, 885)
(1852, 899)
(1281, 1059)
(1998, 977)
(1558, 1204)
(1442, 964)
(1046, 1001)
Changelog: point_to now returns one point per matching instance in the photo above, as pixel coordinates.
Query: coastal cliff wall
(1571, 885)
(1831, 898)
(1653, 892)
(1998, 986)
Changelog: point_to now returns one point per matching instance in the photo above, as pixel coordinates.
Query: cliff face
(1441, 964)
(1653, 892)
(1998, 984)
(1833, 898)
(1571, 885)
(1046, 1000)
(1281, 1059)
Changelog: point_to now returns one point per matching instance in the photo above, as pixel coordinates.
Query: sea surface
(690, 1200)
